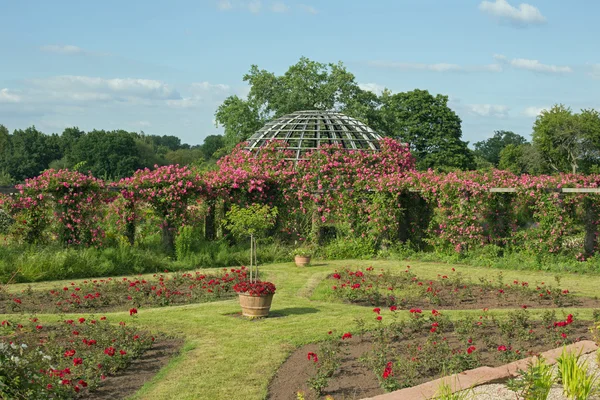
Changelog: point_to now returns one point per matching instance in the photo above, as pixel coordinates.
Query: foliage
(578, 383)
(429, 126)
(327, 360)
(63, 361)
(253, 220)
(121, 294)
(535, 382)
(406, 289)
(491, 149)
(424, 121)
(568, 142)
(69, 199)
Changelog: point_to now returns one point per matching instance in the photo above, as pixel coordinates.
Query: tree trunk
(209, 222)
(168, 238)
(591, 218)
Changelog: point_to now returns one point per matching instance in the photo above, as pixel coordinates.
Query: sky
(163, 67)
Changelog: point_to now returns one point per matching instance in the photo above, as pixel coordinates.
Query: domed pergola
(305, 131)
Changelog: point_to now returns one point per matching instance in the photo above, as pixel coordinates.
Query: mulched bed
(355, 381)
(141, 370)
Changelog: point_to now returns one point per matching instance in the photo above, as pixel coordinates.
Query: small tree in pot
(253, 221)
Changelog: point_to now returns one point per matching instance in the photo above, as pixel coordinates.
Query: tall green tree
(30, 152)
(107, 154)
(568, 142)
(306, 85)
(522, 159)
(211, 144)
(429, 126)
(490, 149)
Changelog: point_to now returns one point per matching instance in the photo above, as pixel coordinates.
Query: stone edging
(481, 376)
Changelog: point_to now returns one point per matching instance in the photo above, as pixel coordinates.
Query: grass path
(226, 357)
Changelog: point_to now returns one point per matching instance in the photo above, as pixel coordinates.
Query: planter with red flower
(255, 298)
(253, 221)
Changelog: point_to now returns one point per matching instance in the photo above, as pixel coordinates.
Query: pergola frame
(305, 131)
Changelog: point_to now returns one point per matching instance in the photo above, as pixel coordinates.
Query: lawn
(226, 357)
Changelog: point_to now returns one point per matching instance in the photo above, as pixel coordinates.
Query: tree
(568, 142)
(306, 85)
(239, 119)
(184, 156)
(522, 159)
(29, 153)
(211, 144)
(429, 126)
(107, 154)
(490, 149)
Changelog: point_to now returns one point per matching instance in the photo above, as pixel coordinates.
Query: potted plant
(302, 256)
(253, 221)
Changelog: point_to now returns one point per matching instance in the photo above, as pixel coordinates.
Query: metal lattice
(305, 131)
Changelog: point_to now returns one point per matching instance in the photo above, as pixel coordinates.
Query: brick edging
(481, 376)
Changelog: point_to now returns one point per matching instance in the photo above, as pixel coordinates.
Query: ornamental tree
(252, 221)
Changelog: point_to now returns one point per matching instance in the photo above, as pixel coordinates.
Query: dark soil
(141, 370)
(484, 298)
(356, 381)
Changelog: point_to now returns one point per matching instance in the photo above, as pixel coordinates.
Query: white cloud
(488, 110)
(308, 9)
(532, 65)
(533, 112)
(254, 6)
(202, 93)
(372, 87)
(523, 14)
(224, 5)
(87, 88)
(8, 96)
(144, 124)
(279, 7)
(62, 49)
(439, 67)
(595, 71)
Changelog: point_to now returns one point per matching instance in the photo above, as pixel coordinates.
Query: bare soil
(141, 370)
(354, 380)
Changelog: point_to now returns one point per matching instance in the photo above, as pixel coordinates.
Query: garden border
(482, 375)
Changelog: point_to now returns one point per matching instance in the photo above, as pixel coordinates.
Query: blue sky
(164, 66)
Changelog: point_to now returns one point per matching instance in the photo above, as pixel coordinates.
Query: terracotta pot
(302, 261)
(255, 306)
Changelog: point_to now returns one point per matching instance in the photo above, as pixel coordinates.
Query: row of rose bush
(377, 196)
(119, 294)
(64, 360)
(414, 346)
(454, 290)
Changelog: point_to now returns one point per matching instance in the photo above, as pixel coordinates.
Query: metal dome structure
(305, 131)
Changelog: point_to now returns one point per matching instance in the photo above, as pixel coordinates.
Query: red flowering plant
(255, 288)
(64, 360)
(169, 190)
(108, 294)
(69, 202)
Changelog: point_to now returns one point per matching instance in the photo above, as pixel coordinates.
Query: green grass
(225, 357)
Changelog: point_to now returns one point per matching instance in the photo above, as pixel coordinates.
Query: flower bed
(406, 290)
(65, 360)
(403, 349)
(122, 294)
